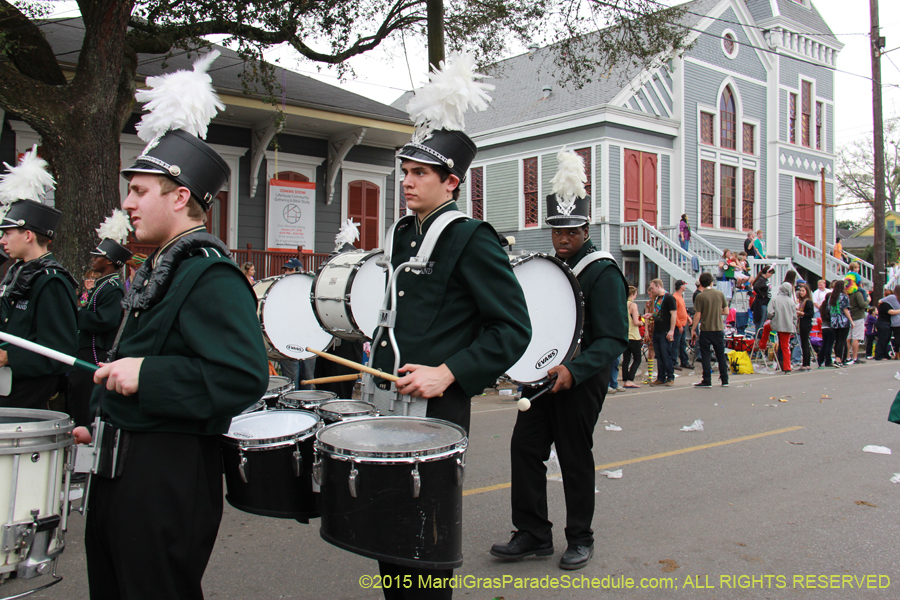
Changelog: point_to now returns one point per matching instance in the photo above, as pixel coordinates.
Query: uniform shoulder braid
(151, 283)
(22, 276)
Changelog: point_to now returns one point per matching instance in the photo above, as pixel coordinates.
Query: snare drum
(257, 406)
(341, 410)
(267, 458)
(305, 399)
(35, 447)
(556, 308)
(287, 321)
(391, 489)
(347, 294)
(278, 385)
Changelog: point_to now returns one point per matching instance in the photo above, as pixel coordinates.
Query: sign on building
(292, 215)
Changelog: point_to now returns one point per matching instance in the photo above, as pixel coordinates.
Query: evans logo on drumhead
(545, 359)
(294, 348)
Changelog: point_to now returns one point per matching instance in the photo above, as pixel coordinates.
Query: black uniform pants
(566, 418)
(150, 532)
(81, 386)
(456, 407)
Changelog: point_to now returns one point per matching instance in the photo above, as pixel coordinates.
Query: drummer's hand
(424, 382)
(563, 378)
(121, 376)
(4, 358)
(82, 435)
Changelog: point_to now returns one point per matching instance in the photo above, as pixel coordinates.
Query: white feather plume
(180, 100)
(568, 183)
(348, 234)
(115, 227)
(29, 180)
(451, 91)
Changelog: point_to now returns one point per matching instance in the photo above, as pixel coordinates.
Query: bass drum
(347, 294)
(391, 489)
(287, 320)
(556, 308)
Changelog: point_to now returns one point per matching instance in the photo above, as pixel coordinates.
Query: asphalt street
(775, 498)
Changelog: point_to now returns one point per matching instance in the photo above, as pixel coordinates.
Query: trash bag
(740, 363)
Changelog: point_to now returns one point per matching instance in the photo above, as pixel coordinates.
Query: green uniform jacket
(204, 356)
(45, 316)
(465, 310)
(605, 315)
(99, 320)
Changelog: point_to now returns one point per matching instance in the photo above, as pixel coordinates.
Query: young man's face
(15, 242)
(656, 290)
(151, 212)
(423, 188)
(567, 241)
(821, 285)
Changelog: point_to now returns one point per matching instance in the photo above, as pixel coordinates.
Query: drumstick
(334, 379)
(48, 352)
(356, 365)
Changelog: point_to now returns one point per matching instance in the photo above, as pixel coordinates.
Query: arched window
(728, 120)
(291, 176)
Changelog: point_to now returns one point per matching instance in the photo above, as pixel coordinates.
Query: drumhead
(272, 426)
(305, 398)
(367, 293)
(346, 408)
(556, 309)
(391, 437)
(278, 385)
(288, 320)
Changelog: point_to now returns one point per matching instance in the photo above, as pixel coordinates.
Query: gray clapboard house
(734, 134)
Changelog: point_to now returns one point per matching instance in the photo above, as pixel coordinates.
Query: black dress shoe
(576, 557)
(520, 545)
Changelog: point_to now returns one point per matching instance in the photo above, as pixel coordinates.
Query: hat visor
(143, 168)
(561, 222)
(409, 153)
(9, 224)
(98, 252)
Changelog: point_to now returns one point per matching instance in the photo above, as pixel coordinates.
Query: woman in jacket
(783, 315)
(839, 309)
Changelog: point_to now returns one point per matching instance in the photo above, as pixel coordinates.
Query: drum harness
(387, 316)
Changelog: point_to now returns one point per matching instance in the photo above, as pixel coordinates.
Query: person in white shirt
(819, 295)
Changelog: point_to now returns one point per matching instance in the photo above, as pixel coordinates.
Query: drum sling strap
(589, 258)
(387, 317)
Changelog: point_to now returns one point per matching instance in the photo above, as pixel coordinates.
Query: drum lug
(298, 459)
(416, 481)
(242, 466)
(352, 480)
(317, 469)
(460, 469)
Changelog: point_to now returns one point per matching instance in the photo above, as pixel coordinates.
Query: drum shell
(278, 386)
(41, 440)
(271, 489)
(384, 521)
(330, 413)
(332, 293)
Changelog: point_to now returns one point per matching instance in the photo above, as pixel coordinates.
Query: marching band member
(462, 321)
(189, 358)
(567, 416)
(37, 295)
(99, 318)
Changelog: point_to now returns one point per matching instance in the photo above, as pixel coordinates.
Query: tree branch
(25, 46)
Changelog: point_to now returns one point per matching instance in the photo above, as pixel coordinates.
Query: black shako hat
(576, 217)
(187, 160)
(32, 215)
(453, 150)
(114, 251)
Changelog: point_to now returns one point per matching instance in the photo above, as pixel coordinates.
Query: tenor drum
(347, 294)
(35, 447)
(556, 308)
(391, 489)
(341, 410)
(278, 386)
(267, 458)
(305, 399)
(287, 320)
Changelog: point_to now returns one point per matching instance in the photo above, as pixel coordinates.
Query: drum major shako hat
(113, 234)
(438, 109)
(568, 205)
(22, 191)
(181, 105)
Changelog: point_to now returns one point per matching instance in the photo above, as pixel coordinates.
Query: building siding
(709, 48)
(786, 216)
(664, 189)
(792, 69)
(502, 183)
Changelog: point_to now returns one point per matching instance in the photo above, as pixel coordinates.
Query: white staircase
(809, 257)
(662, 250)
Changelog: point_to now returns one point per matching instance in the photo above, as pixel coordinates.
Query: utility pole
(435, 15)
(878, 43)
(824, 227)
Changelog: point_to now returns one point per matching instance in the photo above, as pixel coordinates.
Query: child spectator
(871, 318)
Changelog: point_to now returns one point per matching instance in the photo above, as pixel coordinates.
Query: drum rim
(373, 410)
(273, 442)
(331, 394)
(46, 423)
(579, 316)
(393, 457)
(279, 391)
(314, 298)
